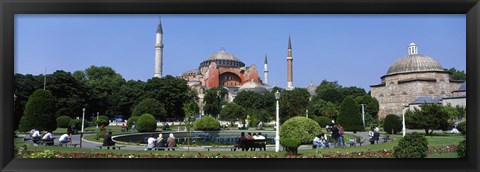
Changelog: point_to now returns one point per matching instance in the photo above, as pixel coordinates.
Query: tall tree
(293, 103)
(350, 116)
(70, 94)
(25, 85)
(103, 83)
(129, 96)
(457, 74)
(232, 112)
(320, 107)
(171, 92)
(371, 105)
(214, 100)
(330, 91)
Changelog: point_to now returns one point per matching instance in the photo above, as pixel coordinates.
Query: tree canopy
(430, 117)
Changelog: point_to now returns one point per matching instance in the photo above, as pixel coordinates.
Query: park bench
(252, 145)
(46, 143)
(386, 138)
(68, 144)
(108, 147)
(354, 143)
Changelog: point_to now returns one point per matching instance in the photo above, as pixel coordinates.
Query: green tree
(214, 100)
(171, 92)
(457, 74)
(146, 123)
(300, 128)
(293, 103)
(350, 116)
(413, 145)
(24, 86)
(70, 94)
(232, 112)
(129, 96)
(371, 105)
(150, 106)
(319, 107)
(103, 83)
(330, 91)
(392, 124)
(430, 117)
(39, 112)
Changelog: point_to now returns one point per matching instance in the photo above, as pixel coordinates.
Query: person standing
(371, 134)
(335, 135)
(341, 138)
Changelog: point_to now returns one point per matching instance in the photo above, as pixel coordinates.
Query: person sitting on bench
(161, 142)
(260, 137)
(107, 141)
(151, 142)
(36, 136)
(171, 142)
(47, 137)
(65, 138)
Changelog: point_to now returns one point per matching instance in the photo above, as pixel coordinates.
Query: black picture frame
(8, 9)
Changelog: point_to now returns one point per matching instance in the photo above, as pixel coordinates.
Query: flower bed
(368, 154)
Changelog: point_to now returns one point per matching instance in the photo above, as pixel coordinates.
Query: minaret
(159, 51)
(289, 65)
(412, 49)
(265, 71)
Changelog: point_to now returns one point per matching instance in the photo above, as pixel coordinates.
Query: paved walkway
(86, 144)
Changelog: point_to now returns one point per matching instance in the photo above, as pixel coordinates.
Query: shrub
(350, 116)
(101, 120)
(131, 120)
(146, 123)
(77, 123)
(300, 128)
(100, 135)
(149, 106)
(39, 112)
(392, 123)
(462, 149)
(322, 121)
(44, 154)
(462, 127)
(413, 145)
(206, 123)
(291, 145)
(63, 121)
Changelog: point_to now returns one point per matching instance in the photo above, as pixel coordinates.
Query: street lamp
(277, 135)
(83, 119)
(363, 115)
(404, 129)
(97, 118)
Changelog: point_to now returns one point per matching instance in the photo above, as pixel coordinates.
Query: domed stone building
(410, 77)
(223, 69)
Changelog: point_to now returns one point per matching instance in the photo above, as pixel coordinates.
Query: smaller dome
(191, 72)
(253, 86)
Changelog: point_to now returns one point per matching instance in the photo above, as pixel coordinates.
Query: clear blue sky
(355, 50)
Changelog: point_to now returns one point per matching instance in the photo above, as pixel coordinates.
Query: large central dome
(414, 63)
(223, 59)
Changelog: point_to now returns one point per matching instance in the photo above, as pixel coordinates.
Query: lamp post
(277, 134)
(363, 115)
(97, 118)
(83, 119)
(404, 129)
(14, 99)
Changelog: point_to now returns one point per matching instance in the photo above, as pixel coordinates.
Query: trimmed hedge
(392, 122)
(206, 123)
(300, 128)
(413, 145)
(323, 121)
(64, 121)
(39, 112)
(291, 145)
(146, 123)
(131, 120)
(101, 120)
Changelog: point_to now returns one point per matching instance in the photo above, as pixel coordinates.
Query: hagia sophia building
(412, 80)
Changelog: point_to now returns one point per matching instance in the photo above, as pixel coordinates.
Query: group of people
(337, 135)
(47, 137)
(161, 142)
(374, 134)
(243, 142)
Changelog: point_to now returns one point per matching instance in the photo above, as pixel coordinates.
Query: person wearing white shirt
(47, 136)
(260, 136)
(255, 137)
(151, 142)
(36, 134)
(65, 138)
